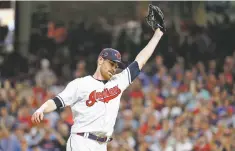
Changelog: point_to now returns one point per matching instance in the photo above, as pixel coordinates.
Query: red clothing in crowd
(205, 147)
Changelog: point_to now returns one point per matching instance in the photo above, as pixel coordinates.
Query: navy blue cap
(113, 55)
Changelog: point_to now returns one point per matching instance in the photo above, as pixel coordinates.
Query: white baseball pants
(80, 143)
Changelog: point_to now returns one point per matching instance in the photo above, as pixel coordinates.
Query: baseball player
(95, 99)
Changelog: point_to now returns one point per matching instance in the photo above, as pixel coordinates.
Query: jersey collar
(103, 81)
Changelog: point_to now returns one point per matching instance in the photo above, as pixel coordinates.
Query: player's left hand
(155, 18)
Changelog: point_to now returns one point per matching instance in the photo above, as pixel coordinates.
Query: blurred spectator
(6, 118)
(80, 70)
(51, 141)
(8, 141)
(57, 32)
(45, 76)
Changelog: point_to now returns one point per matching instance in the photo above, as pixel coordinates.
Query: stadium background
(182, 100)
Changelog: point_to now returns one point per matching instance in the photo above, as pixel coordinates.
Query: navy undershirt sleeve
(134, 70)
(57, 102)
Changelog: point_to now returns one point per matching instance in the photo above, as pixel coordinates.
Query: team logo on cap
(105, 54)
(118, 55)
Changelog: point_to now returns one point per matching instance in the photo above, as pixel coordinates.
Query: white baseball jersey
(95, 104)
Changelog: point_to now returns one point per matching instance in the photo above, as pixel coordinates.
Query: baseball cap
(113, 55)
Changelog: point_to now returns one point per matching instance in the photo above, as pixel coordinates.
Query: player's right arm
(148, 50)
(66, 98)
(47, 107)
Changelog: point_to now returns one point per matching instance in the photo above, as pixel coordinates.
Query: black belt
(96, 138)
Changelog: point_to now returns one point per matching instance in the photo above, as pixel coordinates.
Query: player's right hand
(37, 117)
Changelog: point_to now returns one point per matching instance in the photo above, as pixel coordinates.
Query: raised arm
(155, 20)
(148, 50)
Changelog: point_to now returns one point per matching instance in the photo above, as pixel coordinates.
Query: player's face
(108, 69)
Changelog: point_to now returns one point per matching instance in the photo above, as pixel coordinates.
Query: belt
(96, 138)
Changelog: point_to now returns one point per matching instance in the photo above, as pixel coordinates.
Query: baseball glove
(155, 18)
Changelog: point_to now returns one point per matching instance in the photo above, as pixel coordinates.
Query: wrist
(41, 109)
(158, 33)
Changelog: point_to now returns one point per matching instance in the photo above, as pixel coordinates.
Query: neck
(97, 75)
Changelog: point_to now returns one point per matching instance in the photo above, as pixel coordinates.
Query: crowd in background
(182, 100)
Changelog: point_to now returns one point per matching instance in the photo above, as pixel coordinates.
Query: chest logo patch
(105, 96)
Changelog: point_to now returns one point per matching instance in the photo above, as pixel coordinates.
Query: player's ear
(100, 61)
